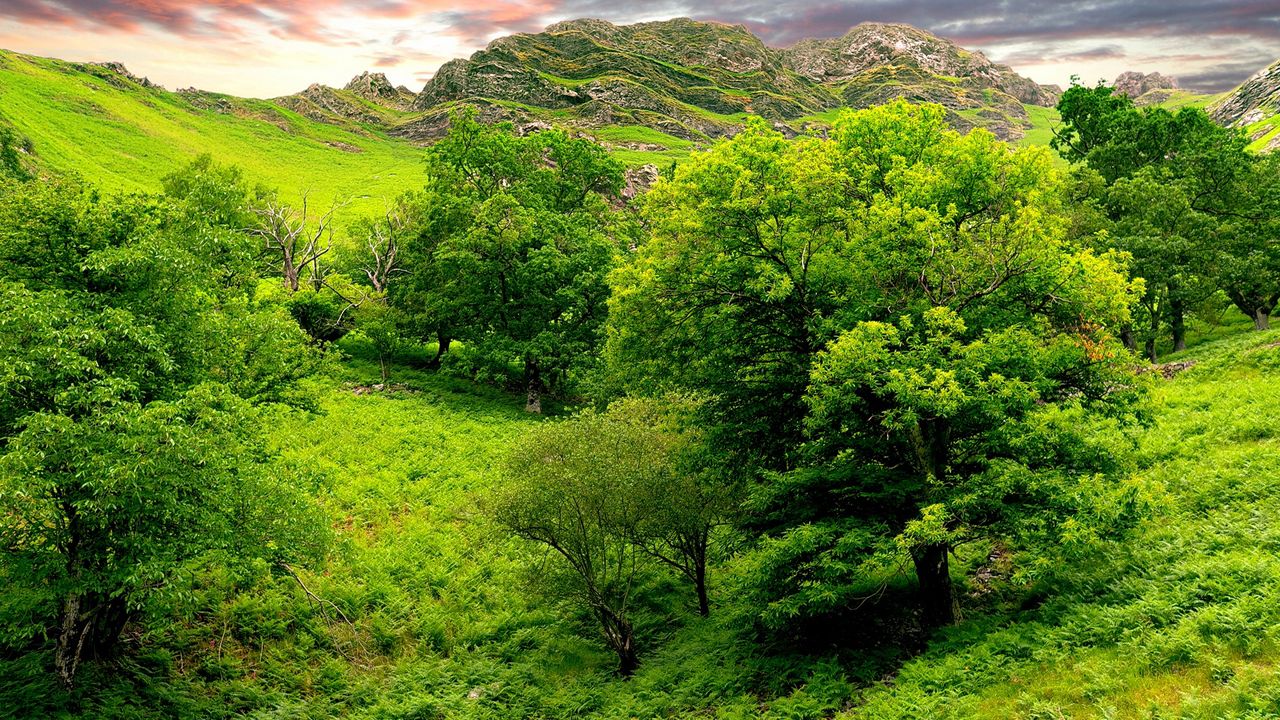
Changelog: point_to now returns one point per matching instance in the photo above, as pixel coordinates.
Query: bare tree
(383, 242)
(293, 243)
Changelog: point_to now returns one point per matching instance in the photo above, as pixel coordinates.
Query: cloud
(1038, 34)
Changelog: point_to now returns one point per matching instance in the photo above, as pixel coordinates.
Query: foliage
(132, 362)
(515, 248)
(595, 489)
(1178, 189)
(766, 252)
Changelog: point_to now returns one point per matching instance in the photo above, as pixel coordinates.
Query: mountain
(697, 80)
(1146, 89)
(1254, 106)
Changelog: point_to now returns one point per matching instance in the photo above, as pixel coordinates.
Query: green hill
(697, 80)
(114, 130)
(1254, 106)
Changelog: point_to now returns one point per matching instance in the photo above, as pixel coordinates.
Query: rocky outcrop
(375, 88)
(637, 180)
(324, 104)
(115, 74)
(696, 79)
(1136, 84)
(1256, 99)
(870, 46)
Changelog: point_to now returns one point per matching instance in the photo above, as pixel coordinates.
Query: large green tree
(133, 363)
(773, 263)
(513, 247)
(1173, 179)
(1247, 244)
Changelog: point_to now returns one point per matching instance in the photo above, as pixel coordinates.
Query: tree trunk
(621, 638)
(1127, 337)
(110, 618)
(1261, 319)
(442, 347)
(533, 381)
(382, 365)
(1178, 324)
(1151, 350)
(71, 638)
(937, 599)
(700, 582)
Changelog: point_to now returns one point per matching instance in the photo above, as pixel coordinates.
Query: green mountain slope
(1181, 620)
(433, 615)
(110, 128)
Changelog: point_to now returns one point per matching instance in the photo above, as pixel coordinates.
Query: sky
(267, 48)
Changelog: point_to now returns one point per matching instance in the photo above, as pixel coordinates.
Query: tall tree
(526, 247)
(1173, 180)
(132, 364)
(1247, 244)
(766, 252)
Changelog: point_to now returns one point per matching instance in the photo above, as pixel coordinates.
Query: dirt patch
(1168, 370)
(344, 147)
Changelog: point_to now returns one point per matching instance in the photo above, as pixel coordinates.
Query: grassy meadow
(125, 138)
(428, 611)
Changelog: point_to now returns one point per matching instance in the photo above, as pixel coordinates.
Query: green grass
(1043, 121)
(1183, 620)
(127, 139)
(1265, 131)
(1184, 98)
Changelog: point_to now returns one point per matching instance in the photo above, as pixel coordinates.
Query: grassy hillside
(123, 136)
(427, 611)
(1179, 622)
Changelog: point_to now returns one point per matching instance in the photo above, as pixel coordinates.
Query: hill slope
(124, 134)
(433, 616)
(1254, 106)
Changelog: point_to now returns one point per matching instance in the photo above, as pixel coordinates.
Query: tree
(525, 268)
(379, 324)
(1248, 243)
(734, 288)
(132, 365)
(292, 241)
(765, 252)
(933, 421)
(1170, 243)
(572, 486)
(424, 291)
(684, 500)
(1172, 181)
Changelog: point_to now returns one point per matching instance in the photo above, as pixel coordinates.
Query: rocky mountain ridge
(1145, 88)
(695, 80)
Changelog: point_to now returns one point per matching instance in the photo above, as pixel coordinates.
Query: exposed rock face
(116, 74)
(638, 180)
(1135, 84)
(875, 45)
(323, 104)
(375, 87)
(694, 79)
(1257, 99)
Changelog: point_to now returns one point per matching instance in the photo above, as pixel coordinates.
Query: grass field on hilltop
(126, 139)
